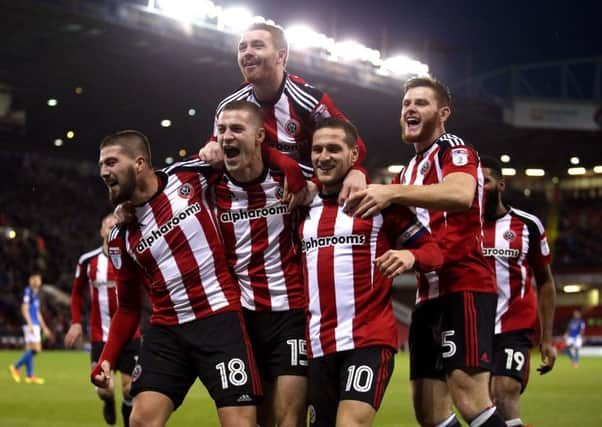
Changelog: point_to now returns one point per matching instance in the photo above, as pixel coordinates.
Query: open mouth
(412, 122)
(231, 152)
(325, 168)
(111, 183)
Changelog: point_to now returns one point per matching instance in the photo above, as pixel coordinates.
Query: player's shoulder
(449, 140)
(116, 233)
(530, 220)
(243, 92)
(454, 146)
(301, 91)
(86, 257)
(193, 164)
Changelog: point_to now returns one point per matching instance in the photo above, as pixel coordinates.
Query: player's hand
(125, 213)
(212, 153)
(49, 335)
(30, 328)
(101, 374)
(394, 262)
(369, 202)
(354, 181)
(301, 198)
(73, 335)
(548, 357)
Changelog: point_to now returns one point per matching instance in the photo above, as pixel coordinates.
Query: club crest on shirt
(279, 192)
(459, 156)
(186, 191)
(292, 127)
(426, 165)
(115, 256)
(509, 235)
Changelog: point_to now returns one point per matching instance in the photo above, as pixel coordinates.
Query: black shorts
(512, 355)
(126, 360)
(361, 374)
(454, 331)
(278, 340)
(215, 349)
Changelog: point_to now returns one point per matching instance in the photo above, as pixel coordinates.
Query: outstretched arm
(547, 303)
(123, 327)
(454, 193)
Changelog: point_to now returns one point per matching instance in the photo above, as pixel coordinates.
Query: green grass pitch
(565, 397)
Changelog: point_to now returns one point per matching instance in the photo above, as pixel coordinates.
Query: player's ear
(260, 135)
(282, 55)
(444, 113)
(355, 153)
(501, 184)
(140, 163)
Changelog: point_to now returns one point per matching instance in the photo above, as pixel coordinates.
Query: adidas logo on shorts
(244, 398)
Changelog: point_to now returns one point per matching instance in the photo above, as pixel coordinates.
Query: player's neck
(267, 90)
(501, 209)
(146, 187)
(331, 189)
(248, 172)
(421, 146)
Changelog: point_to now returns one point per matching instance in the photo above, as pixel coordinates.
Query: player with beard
(175, 243)
(94, 270)
(262, 253)
(451, 336)
(515, 244)
(291, 106)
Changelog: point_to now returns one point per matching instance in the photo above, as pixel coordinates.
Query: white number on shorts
(514, 356)
(449, 345)
(355, 379)
(298, 348)
(235, 374)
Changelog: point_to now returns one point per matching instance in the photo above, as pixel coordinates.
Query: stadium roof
(132, 78)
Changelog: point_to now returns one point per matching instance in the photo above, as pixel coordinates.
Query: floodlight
(234, 19)
(535, 172)
(576, 171)
(402, 65)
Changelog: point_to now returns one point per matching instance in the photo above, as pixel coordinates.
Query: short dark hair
(276, 31)
(492, 163)
(442, 92)
(248, 106)
(133, 143)
(351, 135)
(36, 272)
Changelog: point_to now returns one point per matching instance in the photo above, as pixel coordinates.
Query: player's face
(331, 157)
(420, 115)
(107, 225)
(492, 186)
(35, 281)
(118, 172)
(258, 58)
(240, 139)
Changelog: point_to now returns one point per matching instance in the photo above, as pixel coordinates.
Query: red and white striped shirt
(176, 243)
(458, 233)
(259, 242)
(349, 299)
(290, 119)
(95, 270)
(512, 244)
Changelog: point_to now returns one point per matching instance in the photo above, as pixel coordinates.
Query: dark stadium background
(134, 76)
